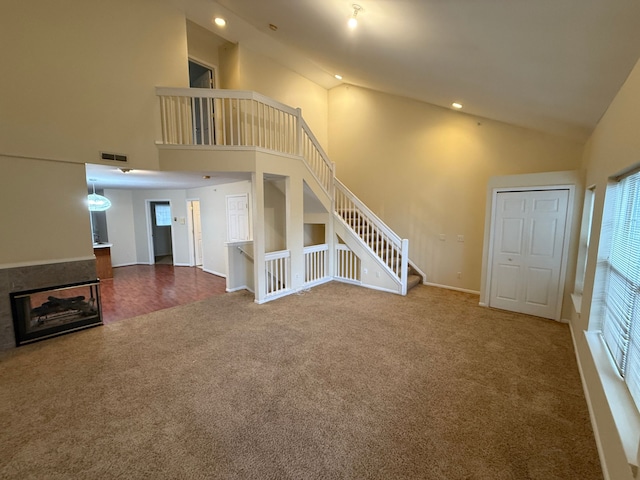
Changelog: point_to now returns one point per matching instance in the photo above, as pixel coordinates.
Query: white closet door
(528, 242)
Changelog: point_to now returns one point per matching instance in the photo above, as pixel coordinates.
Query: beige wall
(243, 69)
(213, 217)
(613, 148)
(228, 55)
(79, 77)
(121, 227)
(275, 215)
(44, 216)
(424, 170)
(203, 45)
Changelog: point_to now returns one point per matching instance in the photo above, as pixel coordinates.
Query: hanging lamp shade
(97, 203)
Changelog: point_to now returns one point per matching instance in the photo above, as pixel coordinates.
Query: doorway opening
(195, 233)
(161, 241)
(201, 75)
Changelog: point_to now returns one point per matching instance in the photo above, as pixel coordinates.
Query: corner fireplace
(47, 312)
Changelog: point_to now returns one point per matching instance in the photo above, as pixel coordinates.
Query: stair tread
(413, 280)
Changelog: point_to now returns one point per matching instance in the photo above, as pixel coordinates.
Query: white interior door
(238, 217)
(528, 242)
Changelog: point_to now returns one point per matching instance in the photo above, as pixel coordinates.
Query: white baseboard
(380, 289)
(315, 283)
(448, 287)
(482, 304)
(237, 289)
(127, 264)
(278, 295)
(213, 272)
(346, 280)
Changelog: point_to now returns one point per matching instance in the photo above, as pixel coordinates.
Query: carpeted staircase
(376, 242)
(414, 278)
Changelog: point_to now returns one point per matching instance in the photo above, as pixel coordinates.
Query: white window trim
(623, 409)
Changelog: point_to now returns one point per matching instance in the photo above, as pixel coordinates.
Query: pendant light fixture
(97, 203)
(353, 21)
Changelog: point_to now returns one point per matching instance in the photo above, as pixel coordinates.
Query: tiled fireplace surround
(16, 279)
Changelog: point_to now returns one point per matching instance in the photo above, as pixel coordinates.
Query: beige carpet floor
(337, 383)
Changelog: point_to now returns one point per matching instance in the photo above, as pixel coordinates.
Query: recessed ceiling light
(221, 22)
(339, 77)
(456, 105)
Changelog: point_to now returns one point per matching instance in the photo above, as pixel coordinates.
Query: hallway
(139, 289)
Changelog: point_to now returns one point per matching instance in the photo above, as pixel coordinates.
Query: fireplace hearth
(47, 312)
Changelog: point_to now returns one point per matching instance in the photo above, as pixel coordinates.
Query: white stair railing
(316, 264)
(317, 161)
(347, 264)
(377, 236)
(227, 118)
(277, 270)
(234, 119)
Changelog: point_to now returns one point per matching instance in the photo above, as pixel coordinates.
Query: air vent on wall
(116, 157)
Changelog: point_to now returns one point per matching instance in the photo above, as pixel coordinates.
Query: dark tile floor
(139, 289)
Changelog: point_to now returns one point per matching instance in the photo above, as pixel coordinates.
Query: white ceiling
(551, 65)
(105, 176)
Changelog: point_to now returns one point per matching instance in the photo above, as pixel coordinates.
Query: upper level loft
(229, 130)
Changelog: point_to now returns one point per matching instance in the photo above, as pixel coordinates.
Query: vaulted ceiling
(551, 65)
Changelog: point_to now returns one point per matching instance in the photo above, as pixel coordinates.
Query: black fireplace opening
(47, 312)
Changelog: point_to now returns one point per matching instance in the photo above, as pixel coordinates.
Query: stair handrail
(245, 253)
(324, 170)
(372, 216)
(400, 245)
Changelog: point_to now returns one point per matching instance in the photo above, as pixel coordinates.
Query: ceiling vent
(113, 157)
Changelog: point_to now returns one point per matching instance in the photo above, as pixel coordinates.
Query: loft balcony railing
(239, 119)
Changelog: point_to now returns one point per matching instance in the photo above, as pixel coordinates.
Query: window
(620, 324)
(163, 215)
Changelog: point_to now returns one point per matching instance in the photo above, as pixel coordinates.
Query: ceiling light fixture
(353, 21)
(339, 77)
(125, 170)
(221, 22)
(456, 105)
